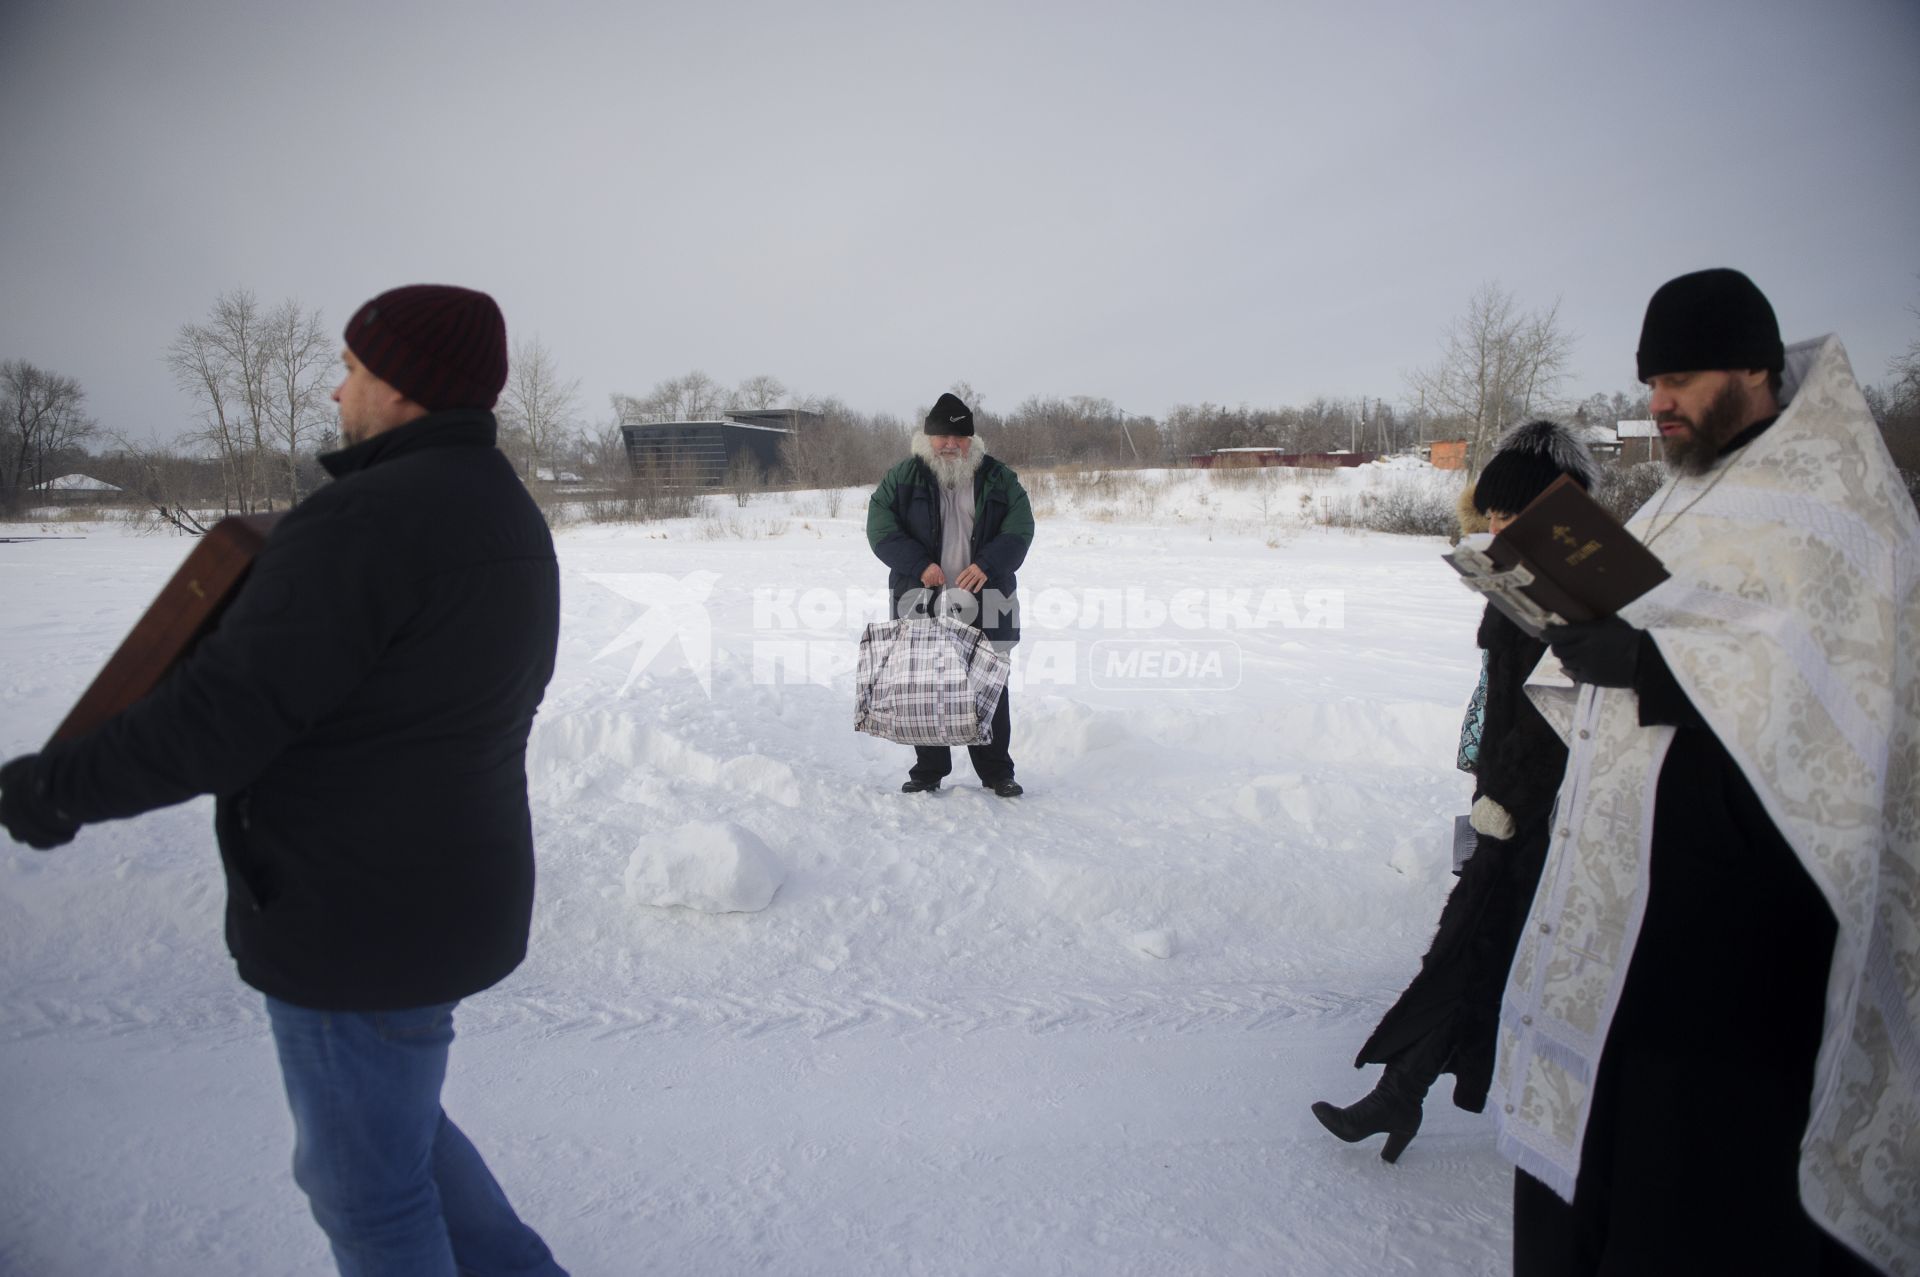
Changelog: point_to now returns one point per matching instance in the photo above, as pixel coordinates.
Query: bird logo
(676, 612)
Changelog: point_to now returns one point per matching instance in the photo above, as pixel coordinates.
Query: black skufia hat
(949, 417)
(1709, 320)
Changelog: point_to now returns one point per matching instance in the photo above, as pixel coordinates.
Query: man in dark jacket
(953, 525)
(361, 714)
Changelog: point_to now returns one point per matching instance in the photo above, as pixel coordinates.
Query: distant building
(790, 419)
(1601, 441)
(700, 454)
(76, 489)
(1639, 440)
(1451, 454)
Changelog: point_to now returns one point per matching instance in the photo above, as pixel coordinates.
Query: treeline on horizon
(261, 380)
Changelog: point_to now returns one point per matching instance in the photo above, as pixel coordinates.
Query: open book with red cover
(1563, 559)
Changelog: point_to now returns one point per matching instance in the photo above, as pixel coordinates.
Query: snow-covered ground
(1076, 1032)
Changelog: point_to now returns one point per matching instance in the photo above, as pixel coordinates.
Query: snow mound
(1155, 944)
(712, 867)
(1059, 732)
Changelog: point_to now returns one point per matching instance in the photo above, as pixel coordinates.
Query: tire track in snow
(30, 1014)
(1243, 1008)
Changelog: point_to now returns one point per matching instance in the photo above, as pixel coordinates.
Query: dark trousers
(1689, 1166)
(990, 762)
(1691, 1157)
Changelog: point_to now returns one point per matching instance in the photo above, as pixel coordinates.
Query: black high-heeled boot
(1392, 1108)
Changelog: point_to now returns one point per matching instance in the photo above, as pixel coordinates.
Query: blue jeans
(394, 1184)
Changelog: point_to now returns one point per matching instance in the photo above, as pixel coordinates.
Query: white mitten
(1491, 819)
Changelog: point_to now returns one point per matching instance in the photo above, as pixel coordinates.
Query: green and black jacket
(903, 527)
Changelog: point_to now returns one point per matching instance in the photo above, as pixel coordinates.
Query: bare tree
(1326, 425)
(1906, 368)
(762, 391)
(200, 369)
(701, 397)
(40, 416)
(223, 363)
(963, 391)
(627, 409)
(1542, 352)
(537, 409)
(158, 474)
(299, 358)
(745, 476)
(841, 449)
(694, 397)
(600, 451)
(1496, 365)
(1906, 371)
(239, 330)
(815, 457)
(1897, 408)
(260, 378)
(1054, 431)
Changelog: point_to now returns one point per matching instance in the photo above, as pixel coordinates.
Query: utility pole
(1128, 433)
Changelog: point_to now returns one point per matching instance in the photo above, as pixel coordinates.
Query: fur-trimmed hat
(440, 346)
(1526, 460)
(949, 417)
(1469, 518)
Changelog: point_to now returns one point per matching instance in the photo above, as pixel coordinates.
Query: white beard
(950, 472)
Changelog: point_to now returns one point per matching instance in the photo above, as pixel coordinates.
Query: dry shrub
(1404, 507)
(1625, 486)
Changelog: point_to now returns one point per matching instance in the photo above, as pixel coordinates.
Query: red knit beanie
(440, 346)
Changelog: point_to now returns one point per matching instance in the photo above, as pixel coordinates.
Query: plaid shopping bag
(928, 681)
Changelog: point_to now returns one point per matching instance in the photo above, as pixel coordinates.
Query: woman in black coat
(1445, 1021)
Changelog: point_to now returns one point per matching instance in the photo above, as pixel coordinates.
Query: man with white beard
(1709, 1058)
(953, 524)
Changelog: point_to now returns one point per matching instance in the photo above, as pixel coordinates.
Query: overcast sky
(1155, 203)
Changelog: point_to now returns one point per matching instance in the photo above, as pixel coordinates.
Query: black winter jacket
(362, 711)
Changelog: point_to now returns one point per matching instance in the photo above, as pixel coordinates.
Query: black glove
(1602, 653)
(27, 811)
